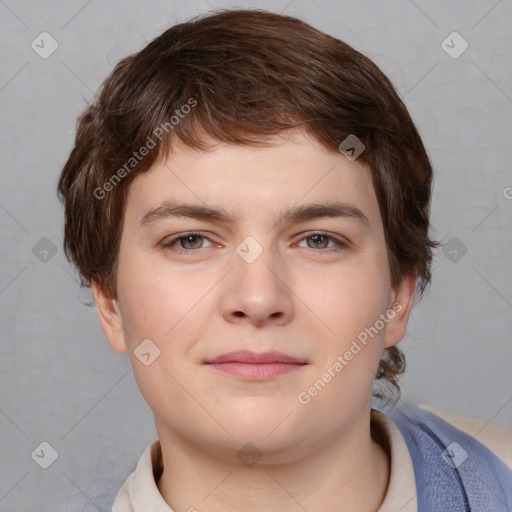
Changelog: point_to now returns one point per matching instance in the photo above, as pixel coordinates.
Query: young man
(249, 200)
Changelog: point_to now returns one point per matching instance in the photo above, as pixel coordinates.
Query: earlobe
(110, 317)
(402, 300)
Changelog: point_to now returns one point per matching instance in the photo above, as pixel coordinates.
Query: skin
(303, 296)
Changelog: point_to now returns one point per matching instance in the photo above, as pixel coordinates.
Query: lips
(246, 356)
(256, 366)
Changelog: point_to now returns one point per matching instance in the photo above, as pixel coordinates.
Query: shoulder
(494, 437)
(122, 500)
(140, 485)
(453, 467)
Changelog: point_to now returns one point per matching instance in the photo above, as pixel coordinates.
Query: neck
(349, 472)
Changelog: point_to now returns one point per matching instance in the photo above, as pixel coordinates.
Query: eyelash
(189, 252)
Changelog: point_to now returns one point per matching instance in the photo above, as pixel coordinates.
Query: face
(288, 270)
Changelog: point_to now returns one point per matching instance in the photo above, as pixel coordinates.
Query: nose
(258, 292)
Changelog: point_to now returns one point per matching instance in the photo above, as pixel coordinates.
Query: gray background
(60, 381)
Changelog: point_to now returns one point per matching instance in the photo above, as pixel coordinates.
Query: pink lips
(256, 366)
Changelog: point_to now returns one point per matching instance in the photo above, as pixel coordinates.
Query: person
(249, 200)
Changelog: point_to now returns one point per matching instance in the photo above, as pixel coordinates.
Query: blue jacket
(454, 472)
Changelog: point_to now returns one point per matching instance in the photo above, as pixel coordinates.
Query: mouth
(256, 366)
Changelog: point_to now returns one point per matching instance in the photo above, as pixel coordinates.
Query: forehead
(254, 181)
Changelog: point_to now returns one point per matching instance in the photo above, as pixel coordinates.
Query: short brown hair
(244, 75)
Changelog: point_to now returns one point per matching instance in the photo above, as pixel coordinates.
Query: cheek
(160, 309)
(351, 306)
(350, 350)
(154, 297)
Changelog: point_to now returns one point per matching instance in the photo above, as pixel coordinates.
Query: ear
(402, 300)
(110, 317)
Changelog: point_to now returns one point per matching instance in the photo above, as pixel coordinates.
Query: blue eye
(188, 238)
(319, 239)
(190, 243)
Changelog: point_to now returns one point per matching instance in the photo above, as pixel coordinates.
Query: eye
(190, 243)
(321, 240)
(187, 243)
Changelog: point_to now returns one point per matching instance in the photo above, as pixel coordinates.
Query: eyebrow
(293, 215)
